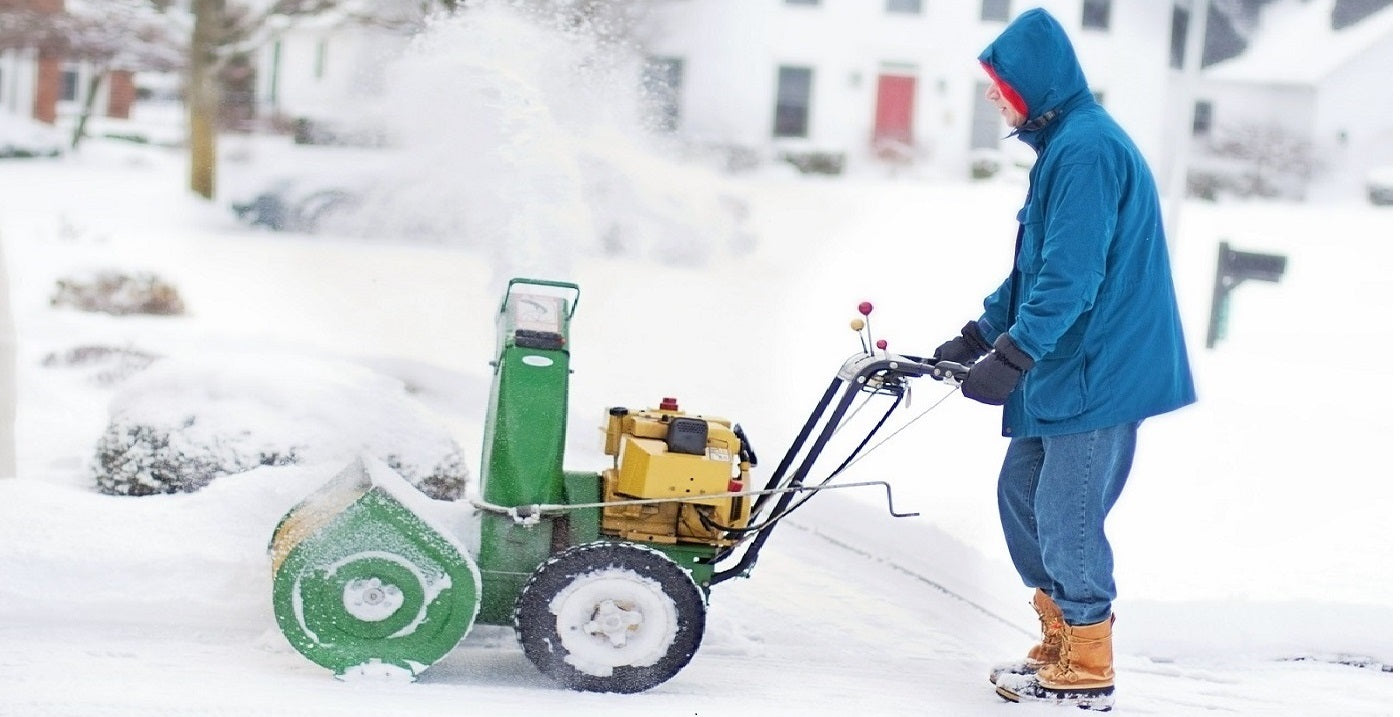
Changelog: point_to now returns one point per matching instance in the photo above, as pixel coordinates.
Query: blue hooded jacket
(1090, 297)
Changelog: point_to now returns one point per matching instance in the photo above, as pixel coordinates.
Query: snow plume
(520, 130)
(493, 108)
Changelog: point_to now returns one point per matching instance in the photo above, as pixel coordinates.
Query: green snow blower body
(604, 575)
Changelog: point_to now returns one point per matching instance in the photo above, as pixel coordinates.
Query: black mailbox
(1231, 269)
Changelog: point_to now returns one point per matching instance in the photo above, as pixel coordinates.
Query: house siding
(1355, 126)
(1344, 111)
(732, 49)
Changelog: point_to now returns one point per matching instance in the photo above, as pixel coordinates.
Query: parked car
(639, 202)
(302, 189)
(296, 205)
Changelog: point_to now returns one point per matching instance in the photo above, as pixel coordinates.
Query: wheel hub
(614, 622)
(371, 600)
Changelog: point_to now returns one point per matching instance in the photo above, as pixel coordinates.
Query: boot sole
(1094, 702)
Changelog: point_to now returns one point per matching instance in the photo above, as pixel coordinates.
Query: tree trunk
(204, 96)
(88, 102)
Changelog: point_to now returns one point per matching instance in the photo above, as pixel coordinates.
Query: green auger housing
(364, 584)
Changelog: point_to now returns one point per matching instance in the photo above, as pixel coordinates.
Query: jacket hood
(1034, 56)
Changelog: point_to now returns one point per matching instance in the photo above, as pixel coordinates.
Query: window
(1180, 18)
(912, 7)
(996, 10)
(1096, 14)
(320, 70)
(987, 126)
(794, 102)
(68, 85)
(1200, 118)
(661, 81)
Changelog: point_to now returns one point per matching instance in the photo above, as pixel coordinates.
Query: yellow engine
(663, 453)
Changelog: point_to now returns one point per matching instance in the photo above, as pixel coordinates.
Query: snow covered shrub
(816, 162)
(182, 423)
(137, 459)
(109, 365)
(1269, 160)
(118, 293)
(21, 137)
(985, 165)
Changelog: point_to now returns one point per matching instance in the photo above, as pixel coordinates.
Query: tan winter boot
(1045, 652)
(1083, 676)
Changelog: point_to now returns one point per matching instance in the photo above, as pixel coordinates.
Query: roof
(1296, 45)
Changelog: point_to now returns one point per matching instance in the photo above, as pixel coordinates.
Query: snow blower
(604, 576)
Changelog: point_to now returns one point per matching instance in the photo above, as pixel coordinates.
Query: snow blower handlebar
(868, 372)
(950, 372)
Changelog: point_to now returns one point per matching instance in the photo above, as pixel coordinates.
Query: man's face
(1009, 114)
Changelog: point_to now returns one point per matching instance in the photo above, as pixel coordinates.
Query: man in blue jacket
(1080, 343)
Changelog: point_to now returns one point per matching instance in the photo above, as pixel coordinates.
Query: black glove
(994, 377)
(965, 348)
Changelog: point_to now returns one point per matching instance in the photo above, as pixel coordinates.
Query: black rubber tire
(629, 579)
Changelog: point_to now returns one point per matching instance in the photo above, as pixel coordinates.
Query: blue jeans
(1054, 493)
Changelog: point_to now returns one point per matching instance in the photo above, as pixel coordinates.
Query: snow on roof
(1296, 45)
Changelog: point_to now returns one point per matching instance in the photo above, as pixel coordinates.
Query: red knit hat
(1006, 90)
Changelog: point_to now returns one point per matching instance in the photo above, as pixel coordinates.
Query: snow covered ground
(1255, 541)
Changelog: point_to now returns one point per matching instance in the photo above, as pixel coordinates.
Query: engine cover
(666, 454)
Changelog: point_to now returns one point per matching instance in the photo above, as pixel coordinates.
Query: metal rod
(542, 508)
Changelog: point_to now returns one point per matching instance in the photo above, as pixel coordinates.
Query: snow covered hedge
(24, 137)
(181, 424)
(119, 293)
(106, 365)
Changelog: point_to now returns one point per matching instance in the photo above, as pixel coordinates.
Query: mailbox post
(1232, 268)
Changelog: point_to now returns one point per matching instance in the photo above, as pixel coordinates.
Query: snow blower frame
(604, 576)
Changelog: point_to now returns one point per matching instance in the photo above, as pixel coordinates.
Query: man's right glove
(993, 379)
(965, 348)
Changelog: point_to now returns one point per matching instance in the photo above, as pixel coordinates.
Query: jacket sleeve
(996, 309)
(1068, 264)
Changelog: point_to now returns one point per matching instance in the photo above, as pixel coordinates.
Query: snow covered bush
(107, 365)
(816, 161)
(22, 137)
(183, 423)
(118, 293)
(1268, 160)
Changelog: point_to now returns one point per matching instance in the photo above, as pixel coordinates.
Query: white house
(862, 79)
(48, 87)
(871, 78)
(313, 68)
(882, 80)
(1332, 88)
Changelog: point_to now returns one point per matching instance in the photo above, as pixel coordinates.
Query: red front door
(894, 109)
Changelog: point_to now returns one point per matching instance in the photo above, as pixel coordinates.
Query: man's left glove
(993, 378)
